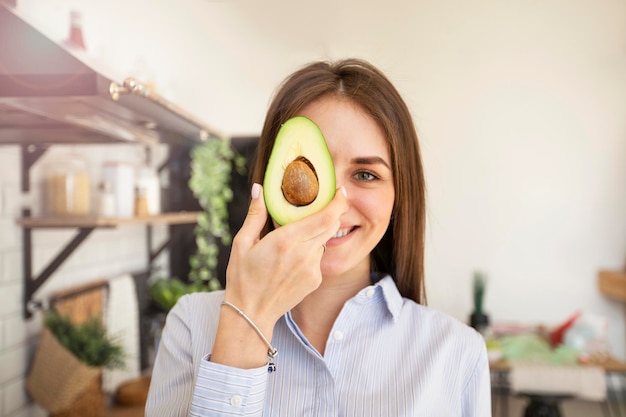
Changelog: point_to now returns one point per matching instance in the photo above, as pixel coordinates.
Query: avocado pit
(300, 184)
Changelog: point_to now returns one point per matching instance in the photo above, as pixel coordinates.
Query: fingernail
(343, 190)
(256, 191)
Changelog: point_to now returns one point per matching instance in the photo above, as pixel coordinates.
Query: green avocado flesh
(300, 175)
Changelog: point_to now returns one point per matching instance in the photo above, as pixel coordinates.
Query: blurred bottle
(75, 38)
(141, 202)
(148, 183)
(67, 186)
(121, 176)
(107, 200)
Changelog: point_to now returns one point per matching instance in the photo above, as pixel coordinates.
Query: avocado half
(300, 175)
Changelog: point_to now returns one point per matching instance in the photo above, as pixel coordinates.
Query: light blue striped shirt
(385, 356)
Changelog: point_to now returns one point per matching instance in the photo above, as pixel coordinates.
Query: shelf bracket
(174, 236)
(30, 154)
(152, 254)
(32, 284)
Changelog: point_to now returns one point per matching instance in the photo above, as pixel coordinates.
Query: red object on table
(556, 336)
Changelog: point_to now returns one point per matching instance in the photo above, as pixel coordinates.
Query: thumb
(257, 215)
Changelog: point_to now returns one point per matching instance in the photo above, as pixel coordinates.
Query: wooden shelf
(85, 226)
(613, 284)
(53, 222)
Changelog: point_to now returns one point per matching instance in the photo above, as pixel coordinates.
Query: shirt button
(236, 400)
(338, 335)
(370, 292)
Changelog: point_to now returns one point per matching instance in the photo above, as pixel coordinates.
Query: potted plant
(65, 375)
(165, 292)
(479, 320)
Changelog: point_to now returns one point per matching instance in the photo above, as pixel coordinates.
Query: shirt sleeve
(182, 387)
(225, 391)
(477, 393)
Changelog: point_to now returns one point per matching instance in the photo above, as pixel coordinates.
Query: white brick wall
(14, 330)
(11, 264)
(12, 294)
(9, 234)
(14, 363)
(15, 397)
(104, 254)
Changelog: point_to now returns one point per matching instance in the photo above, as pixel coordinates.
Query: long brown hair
(401, 250)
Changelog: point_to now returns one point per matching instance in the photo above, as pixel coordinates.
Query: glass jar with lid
(67, 187)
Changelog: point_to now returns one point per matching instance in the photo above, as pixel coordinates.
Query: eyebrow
(370, 160)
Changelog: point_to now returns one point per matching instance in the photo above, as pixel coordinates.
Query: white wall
(521, 109)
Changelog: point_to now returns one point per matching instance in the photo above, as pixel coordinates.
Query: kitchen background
(520, 106)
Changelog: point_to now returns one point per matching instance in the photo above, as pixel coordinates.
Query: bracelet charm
(272, 352)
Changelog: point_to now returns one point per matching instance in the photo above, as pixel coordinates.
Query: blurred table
(615, 373)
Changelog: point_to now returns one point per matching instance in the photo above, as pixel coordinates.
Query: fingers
(255, 219)
(319, 226)
(323, 224)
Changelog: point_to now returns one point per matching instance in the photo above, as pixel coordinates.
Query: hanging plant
(211, 166)
(88, 341)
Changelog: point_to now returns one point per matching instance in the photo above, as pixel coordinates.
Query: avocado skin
(298, 137)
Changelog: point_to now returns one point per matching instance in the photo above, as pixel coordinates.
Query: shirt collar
(385, 290)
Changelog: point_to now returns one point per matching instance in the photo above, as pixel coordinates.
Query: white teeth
(341, 233)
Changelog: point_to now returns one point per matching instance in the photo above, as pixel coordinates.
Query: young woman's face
(363, 166)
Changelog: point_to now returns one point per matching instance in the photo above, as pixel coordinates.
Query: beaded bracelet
(272, 352)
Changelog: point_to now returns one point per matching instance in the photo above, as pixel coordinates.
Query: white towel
(585, 382)
(121, 315)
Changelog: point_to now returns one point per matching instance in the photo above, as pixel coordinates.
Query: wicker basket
(90, 403)
(61, 384)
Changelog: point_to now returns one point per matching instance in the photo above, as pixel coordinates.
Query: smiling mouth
(342, 233)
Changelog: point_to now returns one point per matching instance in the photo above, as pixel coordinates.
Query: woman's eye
(365, 176)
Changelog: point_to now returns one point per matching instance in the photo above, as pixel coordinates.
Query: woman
(339, 293)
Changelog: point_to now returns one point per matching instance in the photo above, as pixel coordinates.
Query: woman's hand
(267, 277)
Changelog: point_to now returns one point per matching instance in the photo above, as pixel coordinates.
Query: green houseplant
(165, 292)
(212, 163)
(88, 341)
(65, 375)
(211, 166)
